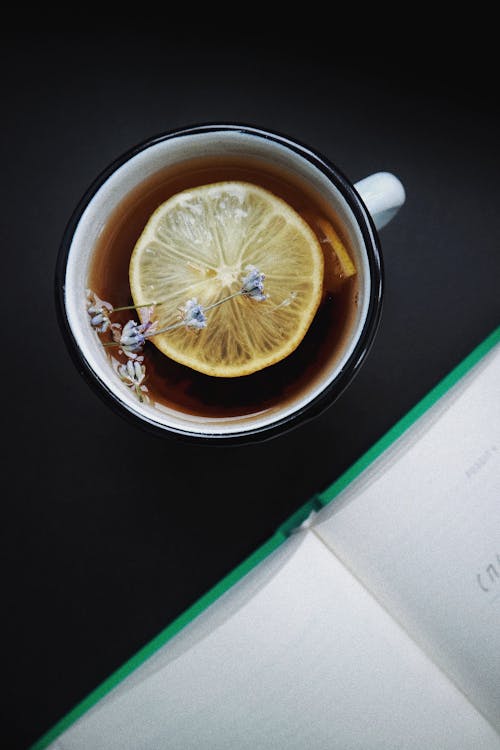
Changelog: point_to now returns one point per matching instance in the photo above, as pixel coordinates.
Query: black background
(108, 532)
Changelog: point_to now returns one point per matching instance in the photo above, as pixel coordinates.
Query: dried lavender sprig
(132, 337)
(100, 311)
(195, 314)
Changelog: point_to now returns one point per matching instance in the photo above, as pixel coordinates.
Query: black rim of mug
(345, 376)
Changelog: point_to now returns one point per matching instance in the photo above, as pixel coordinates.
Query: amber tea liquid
(174, 385)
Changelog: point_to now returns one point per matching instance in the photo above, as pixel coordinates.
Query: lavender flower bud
(132, 338)
(99, 312)
(132, 373)
(99, 320)
(194, 314)
(253, 284)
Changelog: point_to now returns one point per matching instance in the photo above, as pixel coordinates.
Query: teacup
(361, 209)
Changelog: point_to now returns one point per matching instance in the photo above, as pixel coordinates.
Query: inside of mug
(168, 153)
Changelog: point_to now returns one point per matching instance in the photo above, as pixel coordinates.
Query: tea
(174, 385)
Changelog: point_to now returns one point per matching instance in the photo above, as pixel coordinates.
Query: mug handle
(383, 195)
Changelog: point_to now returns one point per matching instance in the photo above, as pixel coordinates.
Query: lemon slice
(347, 267)
(198, 246)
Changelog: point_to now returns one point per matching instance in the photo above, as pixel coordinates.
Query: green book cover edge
(292, 523)
(410, 417)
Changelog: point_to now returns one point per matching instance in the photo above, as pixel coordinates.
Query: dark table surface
(108, 532)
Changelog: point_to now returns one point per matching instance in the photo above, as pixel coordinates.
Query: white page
(306, 660)
(421, 529)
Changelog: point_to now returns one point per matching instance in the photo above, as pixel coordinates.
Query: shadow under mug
(362, 209)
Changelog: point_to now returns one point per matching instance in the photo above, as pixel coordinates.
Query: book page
(421, 529)
(296, 655)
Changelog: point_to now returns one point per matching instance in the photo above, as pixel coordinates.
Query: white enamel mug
(362, 209)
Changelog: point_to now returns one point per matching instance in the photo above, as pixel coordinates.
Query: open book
(370, 620)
